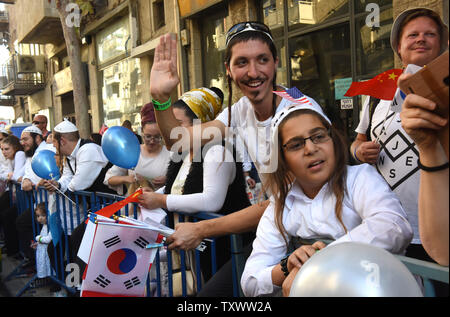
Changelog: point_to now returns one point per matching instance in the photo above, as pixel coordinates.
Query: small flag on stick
(103, 129)
(294, 95)
(382, 86)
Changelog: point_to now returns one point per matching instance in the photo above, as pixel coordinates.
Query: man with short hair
(33, 142)
(251, 63)
(40, 121)
(418, 36)
(85, 165)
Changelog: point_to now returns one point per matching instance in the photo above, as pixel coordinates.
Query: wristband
(433, 168)
(283, 264)
(354, 155)
(161, 106)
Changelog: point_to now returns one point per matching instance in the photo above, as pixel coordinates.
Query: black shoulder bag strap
(82, 142)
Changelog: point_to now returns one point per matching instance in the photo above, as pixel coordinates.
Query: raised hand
(164, 75)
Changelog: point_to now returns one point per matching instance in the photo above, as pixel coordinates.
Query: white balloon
(353, 269)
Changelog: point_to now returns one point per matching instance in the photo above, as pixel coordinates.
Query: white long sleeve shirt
(18, 164)
(5, 167)
(371, 213)
(217, 176)
(86, 161)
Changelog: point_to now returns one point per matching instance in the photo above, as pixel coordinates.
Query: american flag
(294, 95)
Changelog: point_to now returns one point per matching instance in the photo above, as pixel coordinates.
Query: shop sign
(190, 7)
(62, 82)
(346, 103)
(341, 86)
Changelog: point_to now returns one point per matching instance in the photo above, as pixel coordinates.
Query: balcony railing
(22, 75)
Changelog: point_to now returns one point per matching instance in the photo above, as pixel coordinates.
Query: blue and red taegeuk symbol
(121, 261)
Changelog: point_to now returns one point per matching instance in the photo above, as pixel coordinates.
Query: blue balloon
(121, 147)
(44, 165)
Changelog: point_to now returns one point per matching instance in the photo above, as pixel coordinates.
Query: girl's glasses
(296, 144)
(155, 138)
(247, 26)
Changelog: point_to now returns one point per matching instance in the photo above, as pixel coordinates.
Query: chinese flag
(382, 86)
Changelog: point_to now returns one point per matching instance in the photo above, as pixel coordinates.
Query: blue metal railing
(72, 215)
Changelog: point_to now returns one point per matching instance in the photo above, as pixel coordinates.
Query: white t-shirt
(397, 162)
(371, 213)
(148, 167)
(252, 135)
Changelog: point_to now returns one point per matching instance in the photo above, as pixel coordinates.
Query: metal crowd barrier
(75, 214)
(91, 202)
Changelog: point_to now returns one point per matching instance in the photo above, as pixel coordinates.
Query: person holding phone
(418, 36)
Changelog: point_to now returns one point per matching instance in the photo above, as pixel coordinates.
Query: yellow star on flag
(392, 76)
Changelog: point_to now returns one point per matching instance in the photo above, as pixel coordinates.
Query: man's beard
(30, 152)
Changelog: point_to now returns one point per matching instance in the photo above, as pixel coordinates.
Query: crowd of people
(300, 156)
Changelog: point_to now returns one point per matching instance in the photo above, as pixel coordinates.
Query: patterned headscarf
(204, 102)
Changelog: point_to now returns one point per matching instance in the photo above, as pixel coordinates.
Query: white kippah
(32, 129)
(3, 130)
(65, 127)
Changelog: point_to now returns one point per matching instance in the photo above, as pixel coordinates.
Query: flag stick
(59, 191)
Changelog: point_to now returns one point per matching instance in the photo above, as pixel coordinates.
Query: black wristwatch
(283, 264)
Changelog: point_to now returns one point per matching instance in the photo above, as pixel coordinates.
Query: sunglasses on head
(247, 26)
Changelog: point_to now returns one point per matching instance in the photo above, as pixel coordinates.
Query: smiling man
(418, 36)
(251, 62)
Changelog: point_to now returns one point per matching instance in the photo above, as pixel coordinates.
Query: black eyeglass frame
(312, 138)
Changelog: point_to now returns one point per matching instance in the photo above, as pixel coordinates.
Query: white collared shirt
(87, 162)
(371, 213)
(29, 174)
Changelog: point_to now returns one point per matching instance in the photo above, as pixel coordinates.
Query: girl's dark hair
(180, 104)
(245, 37)
(40, 206)
(14, 142)
(280, 182)
(97, 138)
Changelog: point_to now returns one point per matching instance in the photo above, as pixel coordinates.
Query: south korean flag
(119, 261)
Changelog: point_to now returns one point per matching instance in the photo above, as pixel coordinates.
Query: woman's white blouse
(371, 213)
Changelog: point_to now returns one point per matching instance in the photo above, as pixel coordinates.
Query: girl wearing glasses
(152, 164)
(318, 196)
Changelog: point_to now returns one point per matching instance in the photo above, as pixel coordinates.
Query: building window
(318, 59)
(373, 47)
(159, 19)
(302, 13)
(213, 35)
(113, 41)
(121, 93)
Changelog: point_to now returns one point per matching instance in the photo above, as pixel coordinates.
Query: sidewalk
(12, 286)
